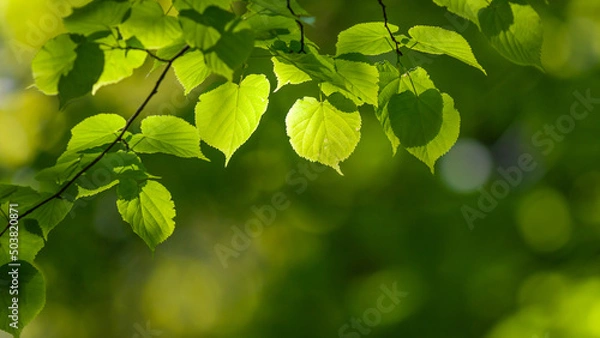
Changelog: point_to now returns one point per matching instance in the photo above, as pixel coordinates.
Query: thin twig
(117, 140)
(398, 51)
(152, 55)
(385, 20)
(289, 6)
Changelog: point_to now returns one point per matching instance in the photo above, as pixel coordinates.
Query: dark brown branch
(152, 55)
(385, 20)
(289, 6)
(117, 140)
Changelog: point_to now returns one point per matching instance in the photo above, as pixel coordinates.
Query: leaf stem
(110, 146)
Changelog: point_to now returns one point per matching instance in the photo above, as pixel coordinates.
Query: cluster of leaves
(201, 40)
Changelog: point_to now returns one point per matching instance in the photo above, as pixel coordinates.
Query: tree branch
(117, 140)
(152, 55)
(385, 20)
(289, 6)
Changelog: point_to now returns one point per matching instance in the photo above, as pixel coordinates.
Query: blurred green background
(527, 267)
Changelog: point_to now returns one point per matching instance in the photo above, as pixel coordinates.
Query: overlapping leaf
(168, 135)
(437, 40)
(119, 63)
(513, 28)
(468, 9)
(96, 16)
(149, 24)
(32, 296)
(95, 131)
(202, 27)
(371, 38)
(107, 173)
(148, 208)
(416, 115)
(288, 74)
(230, 52)
(191, 70)
(359, 82)
(52, 62)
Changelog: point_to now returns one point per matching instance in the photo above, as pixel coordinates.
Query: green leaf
(416, 119)
(86, 71)
(230, 52)
(50, 214)
(203, 29)
(52, 62)
(168, 135)
(371, 38)
(67, 165)
(269, 28)
(319, 67)
(407, 115)
(96, 16)
(31, 297)
(320, 132)
(197, 35)
(119, 64)
(29, 244)
(108, 171)
(279, 7)
(468, 9)
(515, 31)
(513, 28)
(360, 81)
(389, 85)
(149, 24)
(227, 116)
(149, 209)
(288, 74)
(95, 131)
(191, 70)
(83, 192)
(355, 80)
(201, 5)
(342, 103)
(23, 196)
(437, 40)
(444, 140)
(59, 173)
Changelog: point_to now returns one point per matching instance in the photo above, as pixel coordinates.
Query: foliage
(207, 41)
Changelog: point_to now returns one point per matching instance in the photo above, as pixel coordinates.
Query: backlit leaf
(371, 38)
(169, 135)
(227, 116)
(148, 208)
(149, 24)
(320, 132)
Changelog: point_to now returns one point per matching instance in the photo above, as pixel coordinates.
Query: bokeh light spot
(544, 220)
(467, 166)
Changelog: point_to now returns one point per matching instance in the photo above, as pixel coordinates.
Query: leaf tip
(338, 169)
